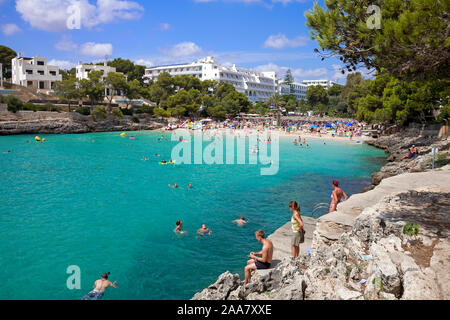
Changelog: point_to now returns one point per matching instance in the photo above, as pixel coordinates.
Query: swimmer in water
(240, 222)
(100, 287)
(179, 228)
(295, 142)
(203, 230)
(190, 186)
(175, 186)
(163, 161)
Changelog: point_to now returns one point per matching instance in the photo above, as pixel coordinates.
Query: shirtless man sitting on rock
(263, 262)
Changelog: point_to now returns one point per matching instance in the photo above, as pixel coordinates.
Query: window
(29, 71)
(40, 63)
(53, 73)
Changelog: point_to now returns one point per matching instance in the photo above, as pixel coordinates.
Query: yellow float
(37, 138)
(123, 134)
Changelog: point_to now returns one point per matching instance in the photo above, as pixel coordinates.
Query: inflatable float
(164, 164)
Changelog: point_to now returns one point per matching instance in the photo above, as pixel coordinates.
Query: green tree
(115, 83)
(67, 90)
(412, 41)
(6, 55)
(92, 88)
(317, 95)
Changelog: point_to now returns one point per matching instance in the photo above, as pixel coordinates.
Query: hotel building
(257, 86)
(34, 73)
(327, 84)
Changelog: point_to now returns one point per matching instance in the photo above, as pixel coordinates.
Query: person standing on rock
(263, 262)
(298, 232)
(336, 196)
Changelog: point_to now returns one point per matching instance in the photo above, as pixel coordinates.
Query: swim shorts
(262, 265)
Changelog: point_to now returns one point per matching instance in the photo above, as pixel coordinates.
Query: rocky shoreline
(70, 123)
(360, 251)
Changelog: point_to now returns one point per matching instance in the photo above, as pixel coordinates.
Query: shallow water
(88, 200)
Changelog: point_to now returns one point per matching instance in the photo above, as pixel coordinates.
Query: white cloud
(62, 64)
(183, 49)
(143, 62)
(280, 41)
(66, 44)
(10, 29)
(164, 26)
(52, 15)
(97, 50)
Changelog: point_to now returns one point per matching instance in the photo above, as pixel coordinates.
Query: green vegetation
(85, 111)
(409, 54)
(118, 113)
(6, 55)
(411, 229)
(99, 113)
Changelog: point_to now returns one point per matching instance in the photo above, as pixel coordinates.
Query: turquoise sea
(88, 200)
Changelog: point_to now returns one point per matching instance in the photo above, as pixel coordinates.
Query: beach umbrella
(329, 126)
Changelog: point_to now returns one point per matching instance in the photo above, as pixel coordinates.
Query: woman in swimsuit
(336, 196)
(298, 235)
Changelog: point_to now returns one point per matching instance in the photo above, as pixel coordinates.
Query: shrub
(85, 111)
(29, 106)
(136, 120)
(14, 104)
(411, 229)
(99, 113)
(126, 111)
(117, 113)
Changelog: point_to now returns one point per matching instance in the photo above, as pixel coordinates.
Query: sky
(265, 35)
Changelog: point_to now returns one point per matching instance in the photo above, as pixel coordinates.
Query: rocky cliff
(53, 122)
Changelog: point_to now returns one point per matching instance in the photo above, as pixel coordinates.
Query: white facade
(296, 89)
(327, 84)
(257, 86)
(34, 73)
(82, 70)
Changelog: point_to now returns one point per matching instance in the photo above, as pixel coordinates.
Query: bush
(99, 113)
(117, 113)
(126, 111)
(29, 106)
(136, 120)
(85, 111)
(14, 104)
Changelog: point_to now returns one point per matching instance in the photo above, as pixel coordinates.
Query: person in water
(336, 196)
(163, 161)
(190, 186)
(175, 186)
(100, 287)
(258, 263)
(179, 227)
(204, 230)
(240, 222)
(298, 233)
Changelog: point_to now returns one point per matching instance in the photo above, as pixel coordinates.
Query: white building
(327, 84)
(257, 86)
(296, 89)
(82, 70)
(34, 72)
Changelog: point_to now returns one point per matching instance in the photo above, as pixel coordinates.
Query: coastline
(335, 235)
